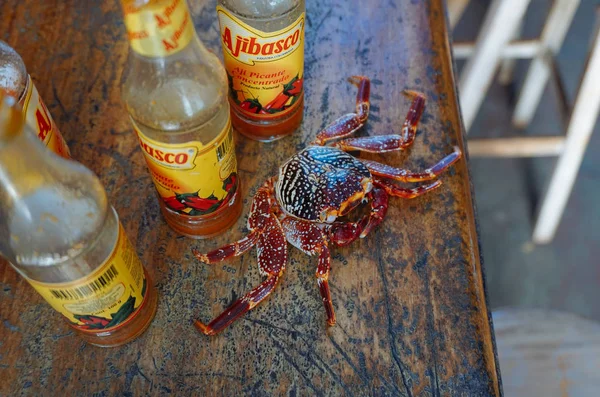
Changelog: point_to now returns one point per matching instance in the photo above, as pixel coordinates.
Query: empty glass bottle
(59, 232)
(176, 93)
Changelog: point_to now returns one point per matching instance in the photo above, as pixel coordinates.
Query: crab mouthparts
(329, 215)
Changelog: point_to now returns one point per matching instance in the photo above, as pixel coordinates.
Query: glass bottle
(15, 82)
(58, 231)
(175, 91)
(263, 49)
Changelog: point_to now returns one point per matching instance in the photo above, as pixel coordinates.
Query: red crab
(314, 188)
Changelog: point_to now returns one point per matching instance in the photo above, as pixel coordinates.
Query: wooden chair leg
(583, 118)
(556, 27)
(500, 23)
(505, 75)
(520, 146)
(455, 10)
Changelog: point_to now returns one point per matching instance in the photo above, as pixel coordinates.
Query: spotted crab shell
(321, 183)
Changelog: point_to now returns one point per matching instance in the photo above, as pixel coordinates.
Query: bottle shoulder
(97, 249)
(51, 206)
(174, 93)
(261, 9)
(55, 223)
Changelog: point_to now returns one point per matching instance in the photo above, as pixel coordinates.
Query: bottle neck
(48, 205)
(11, 124)
(19, 154)
(24, 162)
(158, 28)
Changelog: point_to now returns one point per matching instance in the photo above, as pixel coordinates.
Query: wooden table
(410, 298)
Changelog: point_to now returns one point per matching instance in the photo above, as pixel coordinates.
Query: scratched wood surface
(410, 300)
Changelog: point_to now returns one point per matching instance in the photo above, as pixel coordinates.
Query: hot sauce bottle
(176, 93)
(59, 232)
(263, 49)
(15, 82)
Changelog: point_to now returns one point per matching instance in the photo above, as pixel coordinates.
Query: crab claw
(342, 234)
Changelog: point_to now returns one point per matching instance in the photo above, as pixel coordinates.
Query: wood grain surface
(411, 309)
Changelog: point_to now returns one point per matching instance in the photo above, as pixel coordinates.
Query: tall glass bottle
(263, 49)
(59, 232)
(15, 82)
(176, 93)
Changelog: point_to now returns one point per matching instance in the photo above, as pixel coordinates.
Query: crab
(307, 203)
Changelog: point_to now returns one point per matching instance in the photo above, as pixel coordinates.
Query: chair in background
(495, 46)
(547, 353)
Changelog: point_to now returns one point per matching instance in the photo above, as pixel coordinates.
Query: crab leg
(230, 250)
(394, 190)
(311, 240)
(240, 307)
(349, 123)
(362, 96)
(371, 144)
(387, 143)
(409, 128)
(272, 256)
(323, 281)
(403, 175)
(260, 210)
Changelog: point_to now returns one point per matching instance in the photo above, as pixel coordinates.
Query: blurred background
(564, 274)
(544, 296)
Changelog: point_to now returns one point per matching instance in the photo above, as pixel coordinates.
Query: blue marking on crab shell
(318, 180)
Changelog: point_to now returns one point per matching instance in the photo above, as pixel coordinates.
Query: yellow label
(192, 178)
(160, 28)
(38, 118)
(104, 300)
(265, 70)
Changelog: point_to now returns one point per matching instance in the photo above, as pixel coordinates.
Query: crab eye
(367, 185)
(323, 216)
